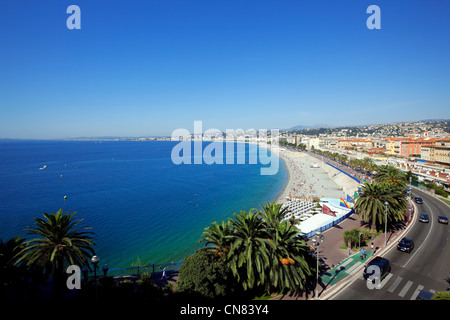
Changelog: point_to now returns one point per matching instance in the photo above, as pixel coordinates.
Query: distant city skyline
(138, 69)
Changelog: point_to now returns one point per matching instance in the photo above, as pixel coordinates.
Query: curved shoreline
(305, 181)
(280, 198)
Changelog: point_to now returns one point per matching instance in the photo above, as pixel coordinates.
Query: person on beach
(164, 274)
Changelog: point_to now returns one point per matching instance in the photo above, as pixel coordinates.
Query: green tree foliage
(262, 249)
(60, 243)
(441, 295)
(250, 249)
(370, 203)
(12, 276)
(204, 274)
(389, 186)
(391, 174)
(356, 236)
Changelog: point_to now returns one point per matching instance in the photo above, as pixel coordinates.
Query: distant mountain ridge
(303, 127)
(435, 120)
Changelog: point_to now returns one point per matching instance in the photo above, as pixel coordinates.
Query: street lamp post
(385, 222)
(95, 260)
(359, 240)
(105, 270)
(371, 245)
(316, 242)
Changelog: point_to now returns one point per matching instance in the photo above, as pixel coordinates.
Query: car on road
(406, 245)
(424, 218)
(443, 219)
(419, 200)
(378, 263)
(424, 295)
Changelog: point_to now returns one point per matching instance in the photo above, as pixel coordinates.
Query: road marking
(346, 262)
(395, 284)
(405, 289)
(385, 280)
(354, 267)
(429, 231)
(416, 293)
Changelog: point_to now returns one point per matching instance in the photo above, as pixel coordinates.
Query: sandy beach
(309, 178)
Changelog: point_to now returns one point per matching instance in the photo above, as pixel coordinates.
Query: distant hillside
(435, 120)
(303, 127)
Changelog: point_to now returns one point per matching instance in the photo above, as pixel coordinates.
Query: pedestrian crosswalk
(404, 288)
(416, 293)
(395, 284)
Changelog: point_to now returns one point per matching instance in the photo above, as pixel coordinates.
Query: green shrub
(352, 237)
(441, 295)
(441, 192)
(205, 275)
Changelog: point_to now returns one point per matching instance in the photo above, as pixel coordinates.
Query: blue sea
(137, 201)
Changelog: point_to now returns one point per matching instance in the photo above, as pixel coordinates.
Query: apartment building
(364, 144)
(442, 151)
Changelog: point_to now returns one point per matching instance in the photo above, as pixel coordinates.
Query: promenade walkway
(337, 263)
(344, 269)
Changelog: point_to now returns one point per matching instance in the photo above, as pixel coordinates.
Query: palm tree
(291, 261)
(289, 267)
(367, 163)
(13, 278)
(370, 203)
(8, 252)
(59, 244)
(249, 254)
(391, 174)
(261, 248)
(273, 213)
(351, 237)
(217, 235)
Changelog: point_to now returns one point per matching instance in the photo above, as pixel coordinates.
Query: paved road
(427, 267)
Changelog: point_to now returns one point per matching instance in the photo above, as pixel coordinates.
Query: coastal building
(390, 144)
(407, 147)
(441, 152)
(355, 143)
(310, 141)
(427, 153)
(313, 143)
(331, 143)
(379, 143)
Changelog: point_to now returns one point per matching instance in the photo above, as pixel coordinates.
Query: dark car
(443, 219)
(419, 200)
(424, 295)
(424, 217)
(383, 265)
(406, 245)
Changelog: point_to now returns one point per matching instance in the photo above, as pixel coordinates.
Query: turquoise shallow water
(137, 201)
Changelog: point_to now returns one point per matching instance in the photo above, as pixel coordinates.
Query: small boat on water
(45, 166)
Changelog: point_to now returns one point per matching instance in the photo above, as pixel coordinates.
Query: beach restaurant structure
(334, 211)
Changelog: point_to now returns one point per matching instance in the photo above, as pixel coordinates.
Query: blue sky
(144, 68)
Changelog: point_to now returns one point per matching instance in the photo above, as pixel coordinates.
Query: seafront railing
(154, 268)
